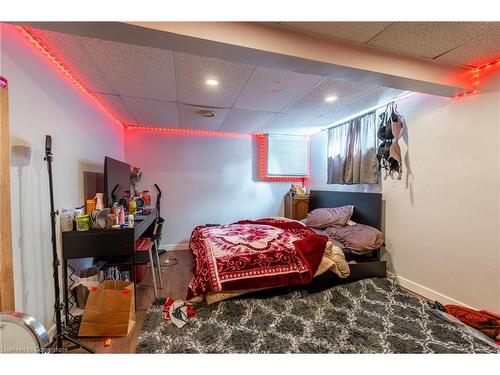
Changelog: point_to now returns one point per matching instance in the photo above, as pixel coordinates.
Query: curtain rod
(366, 111)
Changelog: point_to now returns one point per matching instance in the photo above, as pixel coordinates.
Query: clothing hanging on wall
(389, 132)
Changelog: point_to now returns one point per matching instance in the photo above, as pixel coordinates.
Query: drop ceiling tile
(429, 39)
(191, 119)
(149, 112)
(480, 51)
(379, 97)
(193, 71)
(69, 50)
(360, 32)
(272, 90)
(313, 104)
(118, 107)
(373, 99)
(133, 70)
(321, 122)
(242, 121)
(282, 123)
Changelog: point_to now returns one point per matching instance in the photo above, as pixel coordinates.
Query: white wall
(204, 179)
(42, 101)
(442, 220)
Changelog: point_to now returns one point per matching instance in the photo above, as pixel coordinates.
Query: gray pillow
(359, 238)
(326, 217)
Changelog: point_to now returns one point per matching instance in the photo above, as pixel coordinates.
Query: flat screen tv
(116, 180)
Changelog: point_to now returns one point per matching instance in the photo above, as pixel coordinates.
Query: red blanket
(253, 254)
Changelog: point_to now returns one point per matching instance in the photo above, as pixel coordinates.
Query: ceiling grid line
(348, 103)
(293, 102)
(237, 97)
(463, 44)
(377, 34)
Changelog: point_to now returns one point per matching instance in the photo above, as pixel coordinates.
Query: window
(288, 155)
(352, 152)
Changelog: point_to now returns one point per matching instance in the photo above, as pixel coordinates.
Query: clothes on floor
(178, 312)
(484, 321)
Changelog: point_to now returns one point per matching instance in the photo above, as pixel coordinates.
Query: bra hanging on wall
(389, 131)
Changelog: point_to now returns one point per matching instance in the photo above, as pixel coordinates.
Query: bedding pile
(249, 255)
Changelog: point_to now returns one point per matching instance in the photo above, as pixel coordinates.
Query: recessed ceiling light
(330, 98)
(206, 113)
(212, 82)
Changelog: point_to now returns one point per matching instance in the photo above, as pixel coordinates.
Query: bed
(273, 255)
(367, 211)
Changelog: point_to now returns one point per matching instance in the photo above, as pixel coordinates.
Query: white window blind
(287, 155)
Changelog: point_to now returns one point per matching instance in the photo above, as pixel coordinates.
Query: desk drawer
(96, 243)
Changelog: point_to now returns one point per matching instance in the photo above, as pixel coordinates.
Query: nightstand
(296, 207)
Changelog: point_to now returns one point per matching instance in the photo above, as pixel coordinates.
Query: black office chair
(156, 237)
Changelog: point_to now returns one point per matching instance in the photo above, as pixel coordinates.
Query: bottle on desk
(130, 221)
(122, 215)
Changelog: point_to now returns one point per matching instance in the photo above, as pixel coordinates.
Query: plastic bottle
(122, 215)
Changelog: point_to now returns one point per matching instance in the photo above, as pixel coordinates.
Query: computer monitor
(116, 180)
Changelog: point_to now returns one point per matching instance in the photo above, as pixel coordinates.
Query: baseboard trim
(176, 246)
(426, 292)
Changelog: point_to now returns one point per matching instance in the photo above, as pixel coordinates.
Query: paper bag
(110, 310)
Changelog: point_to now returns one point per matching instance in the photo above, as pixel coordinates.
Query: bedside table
(296, 207)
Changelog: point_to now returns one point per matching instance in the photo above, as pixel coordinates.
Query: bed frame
(367, 210)
(367, 206)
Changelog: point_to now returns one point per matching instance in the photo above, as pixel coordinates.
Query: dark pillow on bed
(326, 217)
(359, 238)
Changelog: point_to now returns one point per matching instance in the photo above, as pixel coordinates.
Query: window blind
(288, 155)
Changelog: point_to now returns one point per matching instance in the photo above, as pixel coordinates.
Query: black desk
(116, 245)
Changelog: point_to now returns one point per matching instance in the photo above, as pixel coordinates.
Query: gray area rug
(367, 316)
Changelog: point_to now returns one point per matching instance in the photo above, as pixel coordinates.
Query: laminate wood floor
(175, 281)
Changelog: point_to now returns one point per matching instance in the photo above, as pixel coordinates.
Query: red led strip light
(63, 68)
(86, 90)
(180, 131)
(476, 72)
(262, 146)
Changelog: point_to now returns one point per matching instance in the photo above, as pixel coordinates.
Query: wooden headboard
(367, 206)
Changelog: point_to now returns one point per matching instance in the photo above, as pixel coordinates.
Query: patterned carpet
(367, 316)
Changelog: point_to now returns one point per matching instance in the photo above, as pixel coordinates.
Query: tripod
(61, 334)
